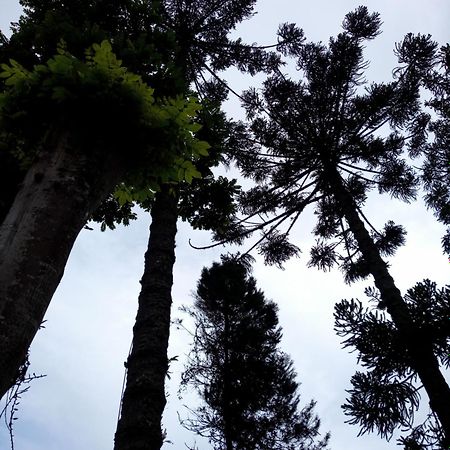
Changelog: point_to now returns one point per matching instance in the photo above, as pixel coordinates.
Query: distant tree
(247, 385)
(386, 396)
(318, 141)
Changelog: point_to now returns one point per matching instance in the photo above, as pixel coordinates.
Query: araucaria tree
(327, 139)
(436, 168)
(247, 385)
(386, 396)
(202, 45)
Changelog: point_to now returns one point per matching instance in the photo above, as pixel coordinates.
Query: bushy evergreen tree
(250, 398)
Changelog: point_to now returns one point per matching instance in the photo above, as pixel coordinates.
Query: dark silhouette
(200, 29)
(247, 385)
(315, 141)
(387, 395)
(436, 167)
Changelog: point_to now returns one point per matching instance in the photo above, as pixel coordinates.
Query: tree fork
(420, 348)
(58, 194)
(139, 426)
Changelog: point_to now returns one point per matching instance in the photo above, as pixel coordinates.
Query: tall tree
(202, 44)
(247, 385)
(61, 112)
(386, 396)
(436, 170)
(318, 140)
(144, 396)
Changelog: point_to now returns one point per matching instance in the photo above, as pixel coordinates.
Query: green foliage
(101, 101)
(111, 212)
(247, 384)
(209, 203)
(386, 397)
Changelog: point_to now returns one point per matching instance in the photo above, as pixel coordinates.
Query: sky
(89, 322)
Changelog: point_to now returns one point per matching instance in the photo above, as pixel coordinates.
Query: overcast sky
(89, 323)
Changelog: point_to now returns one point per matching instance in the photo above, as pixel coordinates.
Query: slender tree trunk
(139, 427)
(226, 380)
(58, 194)
(419, 346)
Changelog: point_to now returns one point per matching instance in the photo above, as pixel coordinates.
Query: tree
(144, 396)
(247, 385)
(200, 32)
(436, 174)
(61, 113)
(316, 141)
(386, 396)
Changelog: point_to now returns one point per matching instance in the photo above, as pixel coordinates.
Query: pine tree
(317, 141)
(247, 385)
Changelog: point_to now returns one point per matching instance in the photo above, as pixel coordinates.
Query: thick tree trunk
(10, 181)
(58, 194)
(139, 427)
(419, 346)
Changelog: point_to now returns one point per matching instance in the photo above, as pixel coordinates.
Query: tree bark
(143, 403)
(57, 196)
(419, 346)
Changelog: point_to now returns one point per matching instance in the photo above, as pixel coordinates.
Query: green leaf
(200, 148)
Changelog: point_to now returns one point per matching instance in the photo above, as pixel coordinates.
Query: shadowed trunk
(227, 413)
(420, 348)
(139, 427)
(58, 194)
(12, 176)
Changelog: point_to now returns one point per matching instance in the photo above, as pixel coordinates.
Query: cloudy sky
(89, 322)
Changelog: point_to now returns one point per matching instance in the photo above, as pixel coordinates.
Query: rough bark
(58, 194)
(143, 403)
(419, 346)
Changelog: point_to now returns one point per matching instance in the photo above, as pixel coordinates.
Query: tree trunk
(139, 427)
(226, 380)
(12, 177)
(58, 194)
(419, 346)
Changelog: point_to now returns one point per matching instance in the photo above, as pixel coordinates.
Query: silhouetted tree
(200, 32)
(386, 396)
(316, 141)
(247, 385)
(436, 167)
